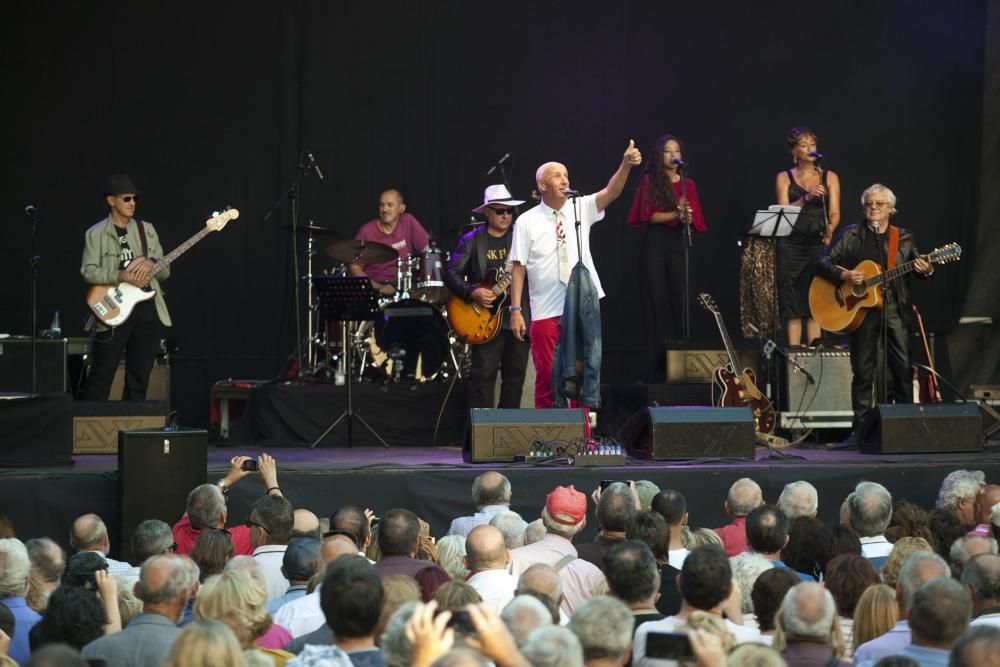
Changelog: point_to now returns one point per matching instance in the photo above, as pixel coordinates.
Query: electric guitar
(476, 324)
(113, 304)
(842, 308)
(738, 387)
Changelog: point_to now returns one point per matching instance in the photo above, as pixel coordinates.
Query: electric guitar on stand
(738, 387)
(113, 304)
(476, 324)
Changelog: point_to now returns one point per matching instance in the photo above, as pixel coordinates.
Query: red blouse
(643, 206)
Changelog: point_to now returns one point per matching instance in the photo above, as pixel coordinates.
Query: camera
(669, 645)
(250, 465)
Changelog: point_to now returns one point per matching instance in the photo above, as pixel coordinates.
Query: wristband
(222, 486)
(514, 309)
(273, 488)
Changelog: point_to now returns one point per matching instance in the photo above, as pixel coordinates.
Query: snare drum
(427, 269)
(411, 333)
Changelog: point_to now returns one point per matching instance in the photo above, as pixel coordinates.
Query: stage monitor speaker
(695, 433)
(15, 365)
(497, 435)
(157, 469)
(922, 428)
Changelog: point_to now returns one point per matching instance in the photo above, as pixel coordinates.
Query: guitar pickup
(101, 310)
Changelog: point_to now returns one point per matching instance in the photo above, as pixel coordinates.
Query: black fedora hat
(119, 184)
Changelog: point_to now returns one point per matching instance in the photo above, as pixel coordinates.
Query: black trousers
(867, 364)
(505, 354)
(138, 338)
(661, 290)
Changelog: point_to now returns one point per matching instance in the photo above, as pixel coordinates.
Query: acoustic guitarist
(888, 246)
(121, 249)
(480, 256)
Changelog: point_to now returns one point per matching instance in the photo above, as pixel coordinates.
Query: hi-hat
(355, 251)
(315, 230)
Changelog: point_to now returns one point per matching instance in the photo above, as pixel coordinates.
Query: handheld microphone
(315, 167)
(571, 193)
(678, 162)
(816, 156)
(30, 211)
(497, 164)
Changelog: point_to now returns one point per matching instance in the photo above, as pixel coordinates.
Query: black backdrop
(207, 104)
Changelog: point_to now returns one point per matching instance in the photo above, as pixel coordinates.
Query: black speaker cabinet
(695, 433)
(497, 435)
(156, 471)
(923, 427)
(15, 365)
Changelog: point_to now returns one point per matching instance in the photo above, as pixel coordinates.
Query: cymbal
(361, 252)
(315, 230)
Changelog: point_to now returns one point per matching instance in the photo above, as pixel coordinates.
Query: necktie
(561, 246)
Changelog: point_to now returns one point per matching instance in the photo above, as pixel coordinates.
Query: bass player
(888, 246)
(478, 259)
(121, 249)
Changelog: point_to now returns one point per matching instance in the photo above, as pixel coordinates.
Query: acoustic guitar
(841, 308)
(476, 324)
(113, 304)
(738, 387)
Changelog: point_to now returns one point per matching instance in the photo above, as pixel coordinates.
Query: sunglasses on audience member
(250, 523)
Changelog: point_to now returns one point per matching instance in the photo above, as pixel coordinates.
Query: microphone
(678, 162)
(315, 166)
(30, 211)
(497, 164)
(814, 155)
(571, 193)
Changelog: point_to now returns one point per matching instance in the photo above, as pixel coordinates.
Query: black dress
(798, 252)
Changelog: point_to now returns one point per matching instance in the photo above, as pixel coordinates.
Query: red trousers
(544, 336)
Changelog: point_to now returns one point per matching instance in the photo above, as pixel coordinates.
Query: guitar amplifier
(823, 384)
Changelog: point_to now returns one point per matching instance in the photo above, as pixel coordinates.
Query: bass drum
(410, 341)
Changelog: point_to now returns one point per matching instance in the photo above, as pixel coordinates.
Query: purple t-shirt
(408, 237)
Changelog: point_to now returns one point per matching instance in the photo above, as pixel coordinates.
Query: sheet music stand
(343, 299)
(776, 220)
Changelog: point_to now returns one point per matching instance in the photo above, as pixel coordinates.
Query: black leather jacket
(845, 255)
(467, 267)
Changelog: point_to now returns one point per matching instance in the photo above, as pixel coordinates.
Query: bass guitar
(841, 308)
(738, 387)
(113, 304)
(475, 324)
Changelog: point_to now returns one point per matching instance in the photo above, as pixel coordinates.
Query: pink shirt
(408, 237)
(579, 578)
(734, 536)
(275, 637)
(643, 206)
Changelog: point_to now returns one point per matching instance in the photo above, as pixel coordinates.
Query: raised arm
(631, 158)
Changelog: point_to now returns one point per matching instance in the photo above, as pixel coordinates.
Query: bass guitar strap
(145, 249)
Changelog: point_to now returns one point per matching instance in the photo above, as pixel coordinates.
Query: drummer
(395, 228)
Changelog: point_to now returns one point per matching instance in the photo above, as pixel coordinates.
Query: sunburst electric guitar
(476, 324)
(738, 387)
(113, 304)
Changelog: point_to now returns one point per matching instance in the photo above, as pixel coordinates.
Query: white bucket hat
(497, 194)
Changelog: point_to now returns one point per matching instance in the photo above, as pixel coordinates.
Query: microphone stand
(770, 347)
(883, 393)
(688, 241)
(33, 261)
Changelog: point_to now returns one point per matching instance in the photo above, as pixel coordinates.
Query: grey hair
(560, 529)
(460, 657)
(151, 537)
(747, 566)
(553, 646)
(451, 549)
(808, 623)
(249, 565)
(869, 509)
(890, 196)
(491, 494)
(523, 615)
(396, 648)
(511, 526)
(959, 552)
(205, 505)
(92, 533)
(798, 499)
(982, 576)
(48, 560)
(534, 531)
(744, 496)
(960, 485)
(14, 568)
(975, 644)
(183, 575)
(604, 627)
(910, 577)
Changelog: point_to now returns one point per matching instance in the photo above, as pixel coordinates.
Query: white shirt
(535, 246)
(875, 547)
(740, 635)
(495, 587)
(302, 616)
(579, 578)
(269, 557)
(677, 557)
(463, 525)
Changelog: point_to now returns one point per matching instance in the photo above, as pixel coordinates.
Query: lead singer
(545, 250)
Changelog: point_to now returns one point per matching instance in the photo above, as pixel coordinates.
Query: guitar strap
(145, 249)
(890, 257)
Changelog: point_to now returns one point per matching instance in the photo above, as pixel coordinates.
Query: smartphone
(461, 621)
(249, 465)
(669, 646)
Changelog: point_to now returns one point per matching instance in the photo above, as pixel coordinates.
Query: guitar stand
(342, 299)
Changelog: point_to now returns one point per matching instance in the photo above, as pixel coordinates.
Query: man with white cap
(480, 259)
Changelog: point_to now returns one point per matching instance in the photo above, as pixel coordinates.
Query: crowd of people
(890, 584)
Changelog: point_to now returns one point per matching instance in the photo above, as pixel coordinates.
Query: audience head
(486, 549)
(604, 627)
(205, 643)
(710, 623)
(939, 612)
(908, 520)
(351, 598)
(336, 546)
(165, 584)
(843, 540)
(238, 600)
(553, 646)
(74, 616)
(755, 655)
(747, 567)
(397, 590)
(271, 521)
(808, 545)
(979, 646)
(699, 537)
(919, 568)
(250, 566)
(48, 561)
(89, 534)
(534, 531)
(430, 579)
(397, 651)
(151, 538)
(869, 509)
(645, 490)
(523, 615)
(672, 506)
(651, 528)
(981, 576)
(80, 569)
(543, 579)
(958, 494)
(462, 657)
(206, 507)
(398, 533)
(875, 614)
(56, 655)
(901, 550)
(511, 526)
(767, 530)
(808, 613)
(847, 577)
(744, 497)
(129, 606)
(987, 499)
(768, 592)
(352, 521)
(452, 552)
(490, 488)
(301, 559)
(305, 524)
(632, 573)
(616, 507)
(455, 596)
(706, 578)
(967, 547)
(945, 527)
(799, 499)
(565, 512)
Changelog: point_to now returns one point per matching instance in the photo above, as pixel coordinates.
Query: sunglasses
(128, 199)
(250, 523)
(502, 211)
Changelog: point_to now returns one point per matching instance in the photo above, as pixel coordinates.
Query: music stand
(343, 299)
(776, 220)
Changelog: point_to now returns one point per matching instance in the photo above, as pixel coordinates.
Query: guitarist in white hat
(121, 249)
(481, 257)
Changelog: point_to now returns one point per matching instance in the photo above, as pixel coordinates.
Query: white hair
(14, 568)
(511, 526)
(523, 615)
(561, 529)
(744, 496)
(798, 499)
(890, 196)
(869, 509)
(803, 618)
(960, 485)
(553, 646)
(746, 567)
(604, 626)
(451, 549)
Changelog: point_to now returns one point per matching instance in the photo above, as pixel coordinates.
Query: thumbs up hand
(632, 155)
